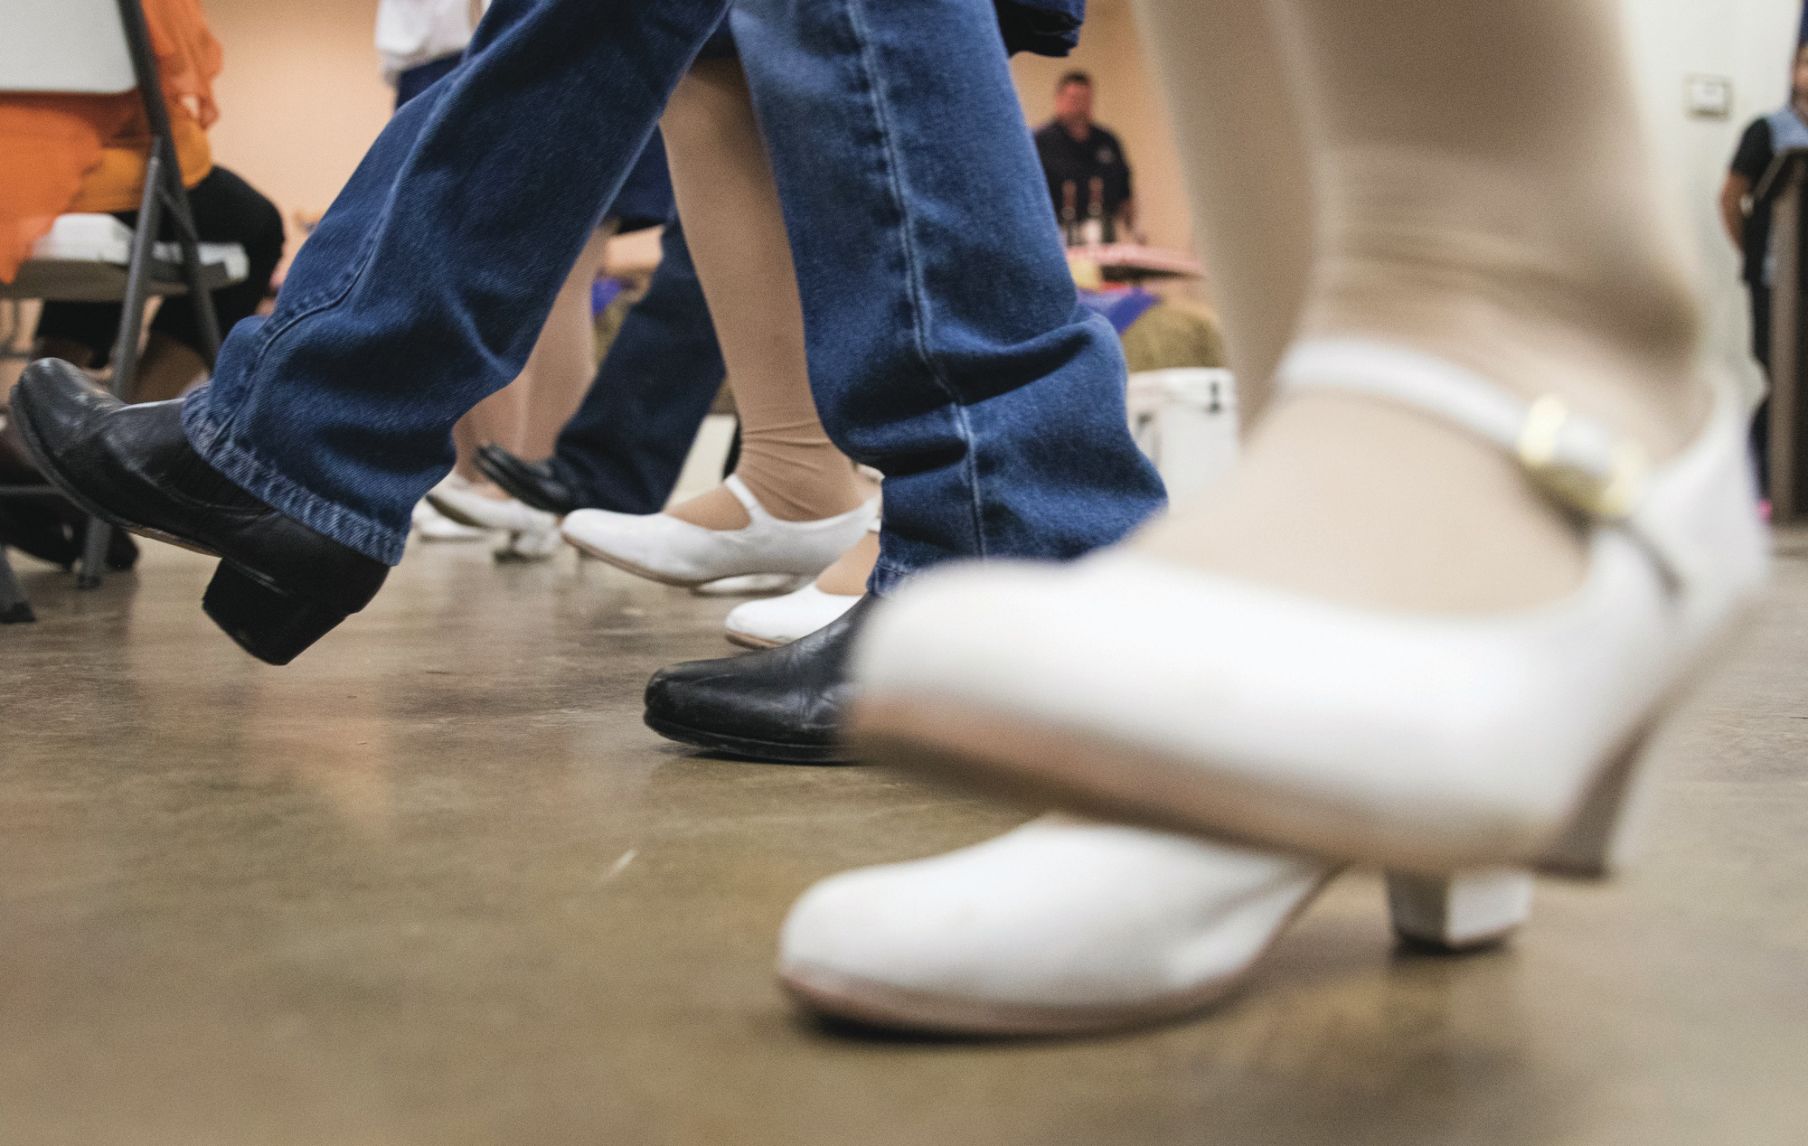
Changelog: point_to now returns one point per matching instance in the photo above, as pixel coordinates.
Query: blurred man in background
(1748, 220)
(1088, 173)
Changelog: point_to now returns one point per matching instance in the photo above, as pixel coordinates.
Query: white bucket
(1186, 421)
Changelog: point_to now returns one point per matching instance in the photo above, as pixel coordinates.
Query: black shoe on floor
(51, 529)
(536, 484)
(280, 586)
(784, 705)
(40, 529)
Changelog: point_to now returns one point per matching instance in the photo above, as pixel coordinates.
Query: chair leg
(14, 608)
(94, 554)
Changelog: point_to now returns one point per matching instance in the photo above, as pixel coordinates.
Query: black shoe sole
(760, 751)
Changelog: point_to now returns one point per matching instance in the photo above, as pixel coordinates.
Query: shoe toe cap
(907, 928)
(713, 697)
(59, 398)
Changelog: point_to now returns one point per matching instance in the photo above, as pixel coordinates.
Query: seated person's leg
(79, 332)
(227, 210)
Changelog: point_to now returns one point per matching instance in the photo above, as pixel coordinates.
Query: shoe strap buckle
(1603, 480)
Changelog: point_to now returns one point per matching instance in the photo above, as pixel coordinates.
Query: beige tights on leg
(1481, 194)
(730, 207)
(560, 370)
(525, 416)
(850, 573)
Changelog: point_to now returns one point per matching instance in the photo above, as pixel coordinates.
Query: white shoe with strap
(665, 549)
(1072, 928)
(1142, 690)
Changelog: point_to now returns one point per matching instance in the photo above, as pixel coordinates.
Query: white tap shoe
(750, 585)
(1071, 928)
(466, 506)
(529, 547)
(1152, 693)
(780, 620)
(663, 548)
(432, 525)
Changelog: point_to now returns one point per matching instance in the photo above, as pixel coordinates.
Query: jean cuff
(257, 477)
(887, 578)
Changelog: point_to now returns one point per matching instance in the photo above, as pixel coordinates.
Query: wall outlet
(1709, 97)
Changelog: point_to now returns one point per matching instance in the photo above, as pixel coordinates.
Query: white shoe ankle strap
(1578, 462)
(755, 511)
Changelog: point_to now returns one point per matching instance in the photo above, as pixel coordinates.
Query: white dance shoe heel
(663, 548)
(1066, 928)
(529, 547)
(1152, 693)
(780, 620)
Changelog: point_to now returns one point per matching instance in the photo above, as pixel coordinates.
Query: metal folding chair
(103, 47)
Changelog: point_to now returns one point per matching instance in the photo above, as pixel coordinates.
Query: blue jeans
(414, 82)
(625, 446)
(947, 345)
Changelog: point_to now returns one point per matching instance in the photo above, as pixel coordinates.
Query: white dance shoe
(466, 506)
(432, 525)
(663, 548)
(1158, 694)
(530, 534)
(751, 585)
(1070, 928)
(529, 547)
(780, 620)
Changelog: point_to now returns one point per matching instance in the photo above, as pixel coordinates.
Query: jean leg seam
(915, 290)
(327, 301)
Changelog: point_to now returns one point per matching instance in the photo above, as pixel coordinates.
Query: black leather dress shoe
(538, 484)
(280, 586)
(48, 527)
(784, 705)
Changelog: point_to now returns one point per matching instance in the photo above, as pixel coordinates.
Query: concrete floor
(436, 884)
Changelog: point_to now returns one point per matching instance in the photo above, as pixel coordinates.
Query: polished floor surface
(435, 883)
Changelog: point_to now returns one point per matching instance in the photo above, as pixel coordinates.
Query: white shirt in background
(415, 32)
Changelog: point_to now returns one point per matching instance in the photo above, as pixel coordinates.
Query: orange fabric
(87, 153)
(116, 181)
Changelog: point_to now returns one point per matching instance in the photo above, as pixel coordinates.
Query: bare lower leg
(731, 212)
(1481, 198)
(564, 360)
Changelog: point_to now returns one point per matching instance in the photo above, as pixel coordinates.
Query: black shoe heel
(271, 625)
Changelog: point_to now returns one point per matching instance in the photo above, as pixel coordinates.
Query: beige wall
(301, 98)
(1125, 101)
